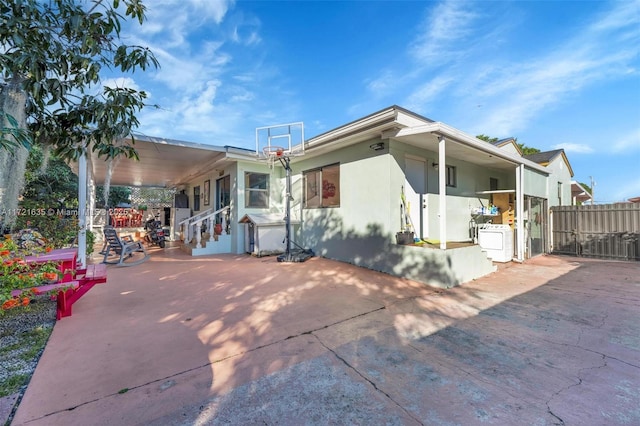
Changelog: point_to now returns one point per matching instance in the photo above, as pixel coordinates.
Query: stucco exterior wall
(365, 186)
(510, 148)
(535, 183)
(461, 200)
(559, 174)
(362, 230)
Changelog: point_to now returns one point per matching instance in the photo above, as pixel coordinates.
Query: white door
(415, 189)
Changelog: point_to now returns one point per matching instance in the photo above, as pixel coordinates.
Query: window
(196, 198)
(493, 184)
(256, 190)
(451, 176)
(559, 193)
(322, 187)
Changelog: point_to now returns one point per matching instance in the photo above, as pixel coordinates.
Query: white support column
(91, 194)
(520, 213)
(442, 192)
(82, 210)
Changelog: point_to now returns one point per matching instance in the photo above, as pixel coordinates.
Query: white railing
(191, 227)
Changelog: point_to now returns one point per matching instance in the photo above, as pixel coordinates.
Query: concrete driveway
(240, 340)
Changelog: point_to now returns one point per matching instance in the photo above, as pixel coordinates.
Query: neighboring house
(509, 145)
(358, 186)
(560, 175)
(579, 194)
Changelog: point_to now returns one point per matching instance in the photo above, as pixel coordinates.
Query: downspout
(520, 212)
(442, 192)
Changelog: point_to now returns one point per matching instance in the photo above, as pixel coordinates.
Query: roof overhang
(461, 146)
(366, 128)
(163, 163)
(579, 192)
(396, 123)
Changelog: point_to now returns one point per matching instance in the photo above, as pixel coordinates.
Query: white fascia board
(407, 120)
(357, 127)
(175, 142)
(456, 135)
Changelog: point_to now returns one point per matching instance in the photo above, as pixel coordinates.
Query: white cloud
(448, 24)
(625, 189)
(245, 30)
(519, 92)
(122, 82)
(628, 142)
(574, 148)
(382, 85)
(427, 93)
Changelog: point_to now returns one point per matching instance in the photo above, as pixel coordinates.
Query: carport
(162, 163)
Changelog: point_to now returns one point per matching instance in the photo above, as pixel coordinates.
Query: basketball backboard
(288, 136)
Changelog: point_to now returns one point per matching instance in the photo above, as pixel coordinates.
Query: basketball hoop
(272, 153)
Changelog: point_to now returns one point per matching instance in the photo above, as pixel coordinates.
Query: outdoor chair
(124, 247)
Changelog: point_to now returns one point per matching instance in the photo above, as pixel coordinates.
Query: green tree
(526, 150)
(52, 55)
(117, 195)
(486, 138)
(49, 181)
(51, 189)
(586, 186)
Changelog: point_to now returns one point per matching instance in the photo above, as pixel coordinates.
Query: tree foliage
(586, 186)
(55, 51)
(117, 195)
(486, 138)
(526, 150)
(51, 190)
(49, 185)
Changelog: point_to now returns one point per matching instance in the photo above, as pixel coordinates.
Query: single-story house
(359, 185)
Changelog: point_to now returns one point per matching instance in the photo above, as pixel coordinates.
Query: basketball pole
(300, 255)
(286, 163)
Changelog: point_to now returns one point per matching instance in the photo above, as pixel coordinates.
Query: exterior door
(223, 198)
(414, 190)
(223, 192)
(196, 198)
(536, 226)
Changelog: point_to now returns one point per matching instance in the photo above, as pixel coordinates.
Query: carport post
(520, 212)
(82, 210)
(442, 192)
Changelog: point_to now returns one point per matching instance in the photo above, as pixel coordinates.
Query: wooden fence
(608, 231)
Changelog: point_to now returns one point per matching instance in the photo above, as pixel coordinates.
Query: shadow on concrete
(245, 340)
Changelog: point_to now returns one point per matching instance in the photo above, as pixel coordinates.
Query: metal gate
(608, 231)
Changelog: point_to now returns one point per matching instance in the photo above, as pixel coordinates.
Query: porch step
(223, 245)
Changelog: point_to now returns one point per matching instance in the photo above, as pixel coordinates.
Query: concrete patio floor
(240, 340)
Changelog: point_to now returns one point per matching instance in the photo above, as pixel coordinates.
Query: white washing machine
(497, 241)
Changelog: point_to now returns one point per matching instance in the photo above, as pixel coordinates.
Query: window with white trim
(322, 187)
(256, 190)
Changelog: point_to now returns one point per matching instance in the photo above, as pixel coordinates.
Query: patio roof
(398, 123)
(579, 192)
(164, 163)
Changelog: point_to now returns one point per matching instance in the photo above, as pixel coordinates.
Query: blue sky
(553, 74)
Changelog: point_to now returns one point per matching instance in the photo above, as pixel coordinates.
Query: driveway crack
(365, 378)
(578, 383)
(266, 345)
